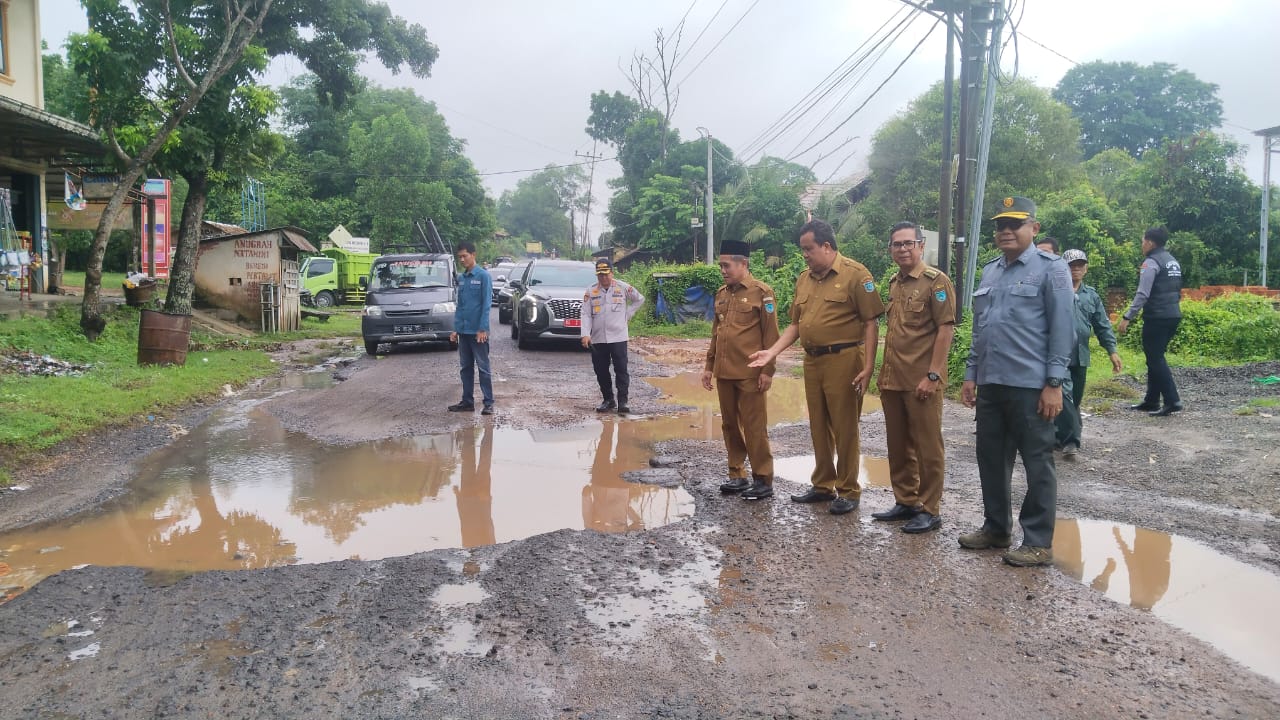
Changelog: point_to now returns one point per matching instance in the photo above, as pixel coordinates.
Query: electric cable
(722, 39)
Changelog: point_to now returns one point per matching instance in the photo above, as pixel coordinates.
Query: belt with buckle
(817, 350)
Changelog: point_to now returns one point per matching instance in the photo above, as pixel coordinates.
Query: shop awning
(33, 135)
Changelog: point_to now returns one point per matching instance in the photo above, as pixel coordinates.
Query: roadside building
(254, 274)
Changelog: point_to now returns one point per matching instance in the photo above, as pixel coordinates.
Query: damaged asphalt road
(767, 609)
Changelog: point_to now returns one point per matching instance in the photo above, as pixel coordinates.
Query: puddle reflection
(241, 492)
(1217, 599)
(872, 471)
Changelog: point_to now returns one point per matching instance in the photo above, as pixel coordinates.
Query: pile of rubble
(25, 362)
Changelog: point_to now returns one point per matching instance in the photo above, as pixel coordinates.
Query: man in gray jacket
(1023, 330)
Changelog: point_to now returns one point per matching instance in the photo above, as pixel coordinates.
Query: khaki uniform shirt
(836, 308)
(746, 321)
(920, 302)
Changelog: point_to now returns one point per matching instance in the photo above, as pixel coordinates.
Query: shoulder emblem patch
(768, 307)
(940, 296)
(869, 286)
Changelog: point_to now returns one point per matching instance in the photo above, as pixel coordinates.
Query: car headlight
(532, 309)
(444, 308)
(373, 310)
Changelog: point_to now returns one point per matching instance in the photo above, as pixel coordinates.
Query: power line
(885, 46)
(500, 129)
(422, 176)
(705, 27)
(1046, 47)
(826, 86)
(872, 95)
(722, 39)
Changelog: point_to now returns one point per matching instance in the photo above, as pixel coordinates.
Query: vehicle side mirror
(364, 282)
(517, 284)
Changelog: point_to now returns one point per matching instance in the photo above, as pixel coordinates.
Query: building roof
(292, 235)
(209, 228)
(29, 133)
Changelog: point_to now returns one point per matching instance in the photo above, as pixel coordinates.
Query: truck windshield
(319, 266)
(410, 273)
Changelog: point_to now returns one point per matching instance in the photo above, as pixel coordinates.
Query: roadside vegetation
(39, 411)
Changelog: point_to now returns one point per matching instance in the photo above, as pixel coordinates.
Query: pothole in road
(1187, 584)
(240, 491)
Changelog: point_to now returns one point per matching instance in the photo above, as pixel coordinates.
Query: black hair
(823, 233)
(1052, 242)
(1158, 235)
(906, 225)
(467, 245)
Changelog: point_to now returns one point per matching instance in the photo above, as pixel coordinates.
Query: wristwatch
(1053, 382)
(933, 376)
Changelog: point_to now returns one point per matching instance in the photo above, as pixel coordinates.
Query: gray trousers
(1007, 425)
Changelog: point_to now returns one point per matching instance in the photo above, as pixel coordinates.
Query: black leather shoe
(1167, 410)
(923, 522)
(462, 407)
(897, 512)
(813, 495)
(1145, 406)
(623, 408)
(758, 491)
(488, 410)
(606, 406)
(840, 506)
(735, 485)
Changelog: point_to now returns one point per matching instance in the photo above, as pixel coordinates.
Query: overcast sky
(514, 78)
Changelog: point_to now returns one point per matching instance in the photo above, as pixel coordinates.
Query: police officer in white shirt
(607, 308)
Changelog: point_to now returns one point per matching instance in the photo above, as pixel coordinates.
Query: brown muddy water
(239, 491)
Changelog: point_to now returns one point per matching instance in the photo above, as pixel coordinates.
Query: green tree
(610, 117)
(664, 215)
(1079, 217)
(538, 208)
(1196, 185)
(1034, 151)
(1136, 107)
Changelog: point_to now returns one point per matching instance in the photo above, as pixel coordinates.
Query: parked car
(547, 300)
(501, 274)
(411, 299)
(504, 295)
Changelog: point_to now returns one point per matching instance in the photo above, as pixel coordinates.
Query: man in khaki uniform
(745, 322)
(922, 316)
(834, 316)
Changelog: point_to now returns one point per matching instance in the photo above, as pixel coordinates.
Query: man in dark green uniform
(1091, 319)
(1023, 330)
(834, 316)
(745, 322)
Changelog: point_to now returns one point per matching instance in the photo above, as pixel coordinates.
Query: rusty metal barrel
(162, 338)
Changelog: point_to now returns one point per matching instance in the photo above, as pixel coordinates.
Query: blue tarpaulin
(698, 305)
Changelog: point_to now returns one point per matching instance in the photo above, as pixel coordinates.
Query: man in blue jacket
(471, 330)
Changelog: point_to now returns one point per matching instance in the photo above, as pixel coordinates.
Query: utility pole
(944, 189)
(976, 21)
(1270, 144)
(984, 153)
(711, 208)
(591, 179)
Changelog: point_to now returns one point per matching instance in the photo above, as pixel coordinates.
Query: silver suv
(546, 301)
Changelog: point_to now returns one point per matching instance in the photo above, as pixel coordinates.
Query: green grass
(1265, 402)
(37, 413)
(75, 278)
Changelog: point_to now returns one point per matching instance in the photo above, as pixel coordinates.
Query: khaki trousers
(745, 425)
(917, 461)
(834, 412)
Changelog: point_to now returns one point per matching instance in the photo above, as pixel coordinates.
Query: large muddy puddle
(239, 491)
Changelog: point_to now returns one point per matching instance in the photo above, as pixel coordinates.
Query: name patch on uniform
(941, 295)
(869, 286)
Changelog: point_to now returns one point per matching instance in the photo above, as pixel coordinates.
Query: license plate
(573, 322)
(408, 329)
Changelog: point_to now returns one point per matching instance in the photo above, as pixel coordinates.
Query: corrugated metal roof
(296, 237)
(29, 133)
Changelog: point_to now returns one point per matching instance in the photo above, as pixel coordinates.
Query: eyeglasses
(1010, 223)
(904, 245)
